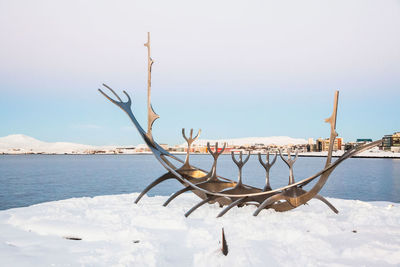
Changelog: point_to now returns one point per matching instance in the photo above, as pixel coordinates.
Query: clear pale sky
(232, 68)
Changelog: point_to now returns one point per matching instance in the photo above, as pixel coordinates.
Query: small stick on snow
(72, 238)
(224, 244)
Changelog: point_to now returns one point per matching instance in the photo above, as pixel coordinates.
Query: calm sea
(29, 179)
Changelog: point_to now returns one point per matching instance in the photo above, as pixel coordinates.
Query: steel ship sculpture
(212, 188)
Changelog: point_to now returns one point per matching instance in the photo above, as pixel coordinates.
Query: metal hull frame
(212, 188)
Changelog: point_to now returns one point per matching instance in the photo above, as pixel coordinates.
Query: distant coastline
(25, 145)
(372, 155)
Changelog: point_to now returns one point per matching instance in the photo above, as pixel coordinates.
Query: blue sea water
(29, 179)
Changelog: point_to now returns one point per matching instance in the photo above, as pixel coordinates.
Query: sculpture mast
(332, 121)
(151, 115)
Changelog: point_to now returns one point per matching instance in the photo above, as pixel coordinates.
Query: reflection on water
(31, 179)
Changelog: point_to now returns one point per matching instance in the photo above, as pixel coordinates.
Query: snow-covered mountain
(19, 143)
(273, 140)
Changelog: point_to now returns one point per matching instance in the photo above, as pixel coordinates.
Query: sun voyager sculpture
(212, 188)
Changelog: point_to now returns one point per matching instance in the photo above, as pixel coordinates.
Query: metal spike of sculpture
(190, 140)
(267, 166)
(212, 188)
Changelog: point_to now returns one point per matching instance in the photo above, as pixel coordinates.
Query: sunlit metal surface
(212, 188)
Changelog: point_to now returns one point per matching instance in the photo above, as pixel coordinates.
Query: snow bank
(21, 144)
(116, 232)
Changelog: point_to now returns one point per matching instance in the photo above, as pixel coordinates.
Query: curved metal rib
(198, 205)
(319, 197)
(268, 202)
(183, 190)
(230, 206)
(161, 179)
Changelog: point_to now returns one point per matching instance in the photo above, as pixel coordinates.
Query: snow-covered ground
(116, 232)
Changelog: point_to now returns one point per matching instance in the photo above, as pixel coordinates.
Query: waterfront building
(396, 139)
(319, 144)
(312, 148)
(387, 142)
(391, 142)
(395, 142)
(363, 140)
(336, 146)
